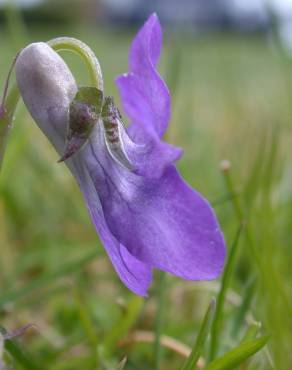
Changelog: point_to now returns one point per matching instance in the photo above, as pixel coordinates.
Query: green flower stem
(84, 51)
(226, 278)
(6, 118)
(159, 321)
(201, 338)
(9, 103)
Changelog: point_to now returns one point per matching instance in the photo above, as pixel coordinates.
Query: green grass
(232, 100)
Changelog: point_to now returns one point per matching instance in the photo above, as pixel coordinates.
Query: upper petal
(145, 48)
(145, 96)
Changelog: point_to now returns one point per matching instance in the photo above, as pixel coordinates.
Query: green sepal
(91, 96)
(85, 109)
(84, 113)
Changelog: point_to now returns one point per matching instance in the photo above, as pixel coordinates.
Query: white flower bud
(47, 87)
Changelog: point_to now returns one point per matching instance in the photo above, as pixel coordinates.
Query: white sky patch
(283, 8)
(23, 3)
(247, 6)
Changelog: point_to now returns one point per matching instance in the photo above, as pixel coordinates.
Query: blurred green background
(231, 99)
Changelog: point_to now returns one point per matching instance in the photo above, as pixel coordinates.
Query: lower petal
(135, 274)
(161, 221)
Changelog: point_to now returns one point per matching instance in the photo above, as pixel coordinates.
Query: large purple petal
(145, 97)
(162, 222)
(135, 274)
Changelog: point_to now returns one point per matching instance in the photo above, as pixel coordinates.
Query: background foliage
(231, 100)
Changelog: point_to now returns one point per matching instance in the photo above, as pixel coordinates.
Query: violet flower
(146, 216)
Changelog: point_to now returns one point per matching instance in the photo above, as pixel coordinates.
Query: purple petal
(135, 274)
(145, 48)
(162, 222)
(149, 159)
(145, 97)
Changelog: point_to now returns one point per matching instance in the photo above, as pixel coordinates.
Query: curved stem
(84, 51)
(159, 322)
(7, 110)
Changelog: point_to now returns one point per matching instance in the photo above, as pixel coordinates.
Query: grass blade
(161, 293)
(221, 296)
(17, 353)
(45, 279)
(122, 364)
(252, 331)
(120, 329)
(238, 355)
(201, 339)
(247, 297)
